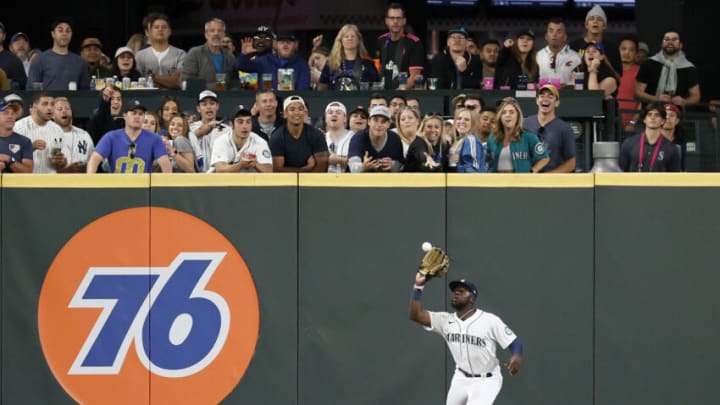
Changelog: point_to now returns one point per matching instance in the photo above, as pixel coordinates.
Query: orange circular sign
(148, 305)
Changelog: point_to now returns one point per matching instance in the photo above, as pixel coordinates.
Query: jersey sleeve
(262, 152)
(438, 322)
(221, 153)
(501, 333)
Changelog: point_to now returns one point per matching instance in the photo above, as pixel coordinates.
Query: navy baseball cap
(464, 283)
(134, 105)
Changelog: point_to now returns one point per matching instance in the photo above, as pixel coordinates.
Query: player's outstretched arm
(417, 313)
(514, 363)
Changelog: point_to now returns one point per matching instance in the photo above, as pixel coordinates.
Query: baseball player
(471, 335)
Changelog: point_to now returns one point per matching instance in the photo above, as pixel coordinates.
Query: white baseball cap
(122, 50)
(207, 94)
(336, 104)
(380, 110)
(293, 99)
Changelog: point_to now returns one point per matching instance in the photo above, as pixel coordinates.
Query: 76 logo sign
(178, 326)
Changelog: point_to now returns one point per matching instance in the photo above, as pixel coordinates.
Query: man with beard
(668, 77)
(398, 51)
(49, 152)
(10, 63)
(556, 134)
(57, 66)
(297, 146)
(77, 140)
(210, 59)
(472, 336)
(649, 151)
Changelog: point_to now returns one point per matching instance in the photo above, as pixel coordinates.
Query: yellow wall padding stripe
(224, 180)
(420, 180)
(508, 180)
(658, 179)
(79, 180)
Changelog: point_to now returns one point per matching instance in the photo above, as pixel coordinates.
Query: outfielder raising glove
(435, 263)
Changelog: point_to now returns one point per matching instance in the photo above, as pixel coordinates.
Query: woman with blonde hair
(178, 145)
(431, 129)
(414, 147)
(348, 63)
(151, 122)
(467, 153)
(510, 149)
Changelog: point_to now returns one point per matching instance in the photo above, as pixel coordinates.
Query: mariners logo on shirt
(509, 331)
(266, 154)
(14, 148)
(539, 148)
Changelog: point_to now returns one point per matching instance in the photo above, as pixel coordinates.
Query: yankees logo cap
(464, 283)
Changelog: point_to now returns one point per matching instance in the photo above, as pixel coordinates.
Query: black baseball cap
(264, 31)
(62, 19)
(241, 111)
(464, 283)
(359, 109)
(133, 105)
(286, 36)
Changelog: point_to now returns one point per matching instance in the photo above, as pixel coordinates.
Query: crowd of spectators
(387, 135)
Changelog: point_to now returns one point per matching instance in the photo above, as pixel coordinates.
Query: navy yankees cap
(134, 105)
(464, 283)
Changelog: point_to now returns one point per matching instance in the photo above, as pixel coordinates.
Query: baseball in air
(426, 246)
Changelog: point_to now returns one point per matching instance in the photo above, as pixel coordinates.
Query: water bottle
(126, 83)
(522, 81)
(93, 83)
(150, 84)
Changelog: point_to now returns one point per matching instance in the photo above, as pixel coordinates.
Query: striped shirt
(53, 136)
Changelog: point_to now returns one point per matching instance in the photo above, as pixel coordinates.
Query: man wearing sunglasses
(131, 149)
(556, 134)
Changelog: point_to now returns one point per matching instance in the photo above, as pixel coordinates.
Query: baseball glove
(435, 263)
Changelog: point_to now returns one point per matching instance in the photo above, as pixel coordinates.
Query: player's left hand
(513, 365)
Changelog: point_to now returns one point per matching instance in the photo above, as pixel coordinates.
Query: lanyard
(641, 155)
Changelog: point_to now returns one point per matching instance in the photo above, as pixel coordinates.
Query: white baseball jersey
(473, 341)
(53, 136)
(339, 147)
(225, 150)
(80, 144)
(203, 146)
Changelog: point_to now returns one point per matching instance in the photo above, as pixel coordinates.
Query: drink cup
(267, 81)
(432, 83)
(220, 81)
(402, 80)
(488, 83)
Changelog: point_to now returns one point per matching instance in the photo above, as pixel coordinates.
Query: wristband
(416, 295)
(418, 287)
